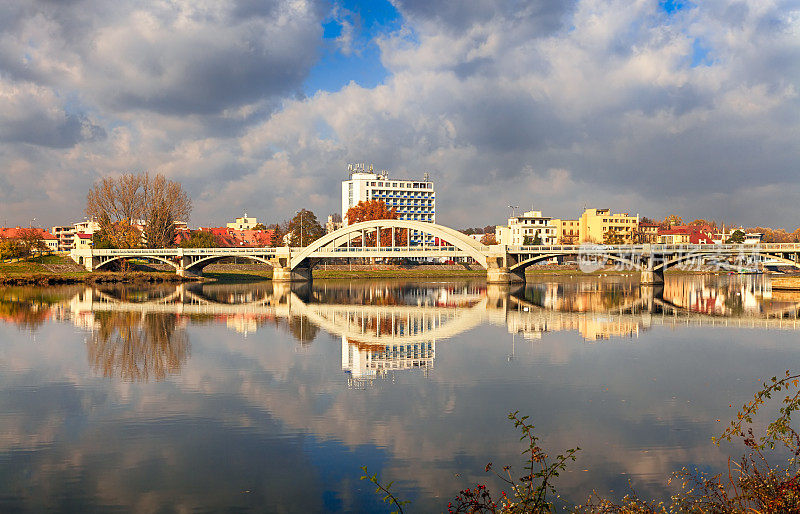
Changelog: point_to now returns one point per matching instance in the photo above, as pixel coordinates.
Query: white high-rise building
(412, 199)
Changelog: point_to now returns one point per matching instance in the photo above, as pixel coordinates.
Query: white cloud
(489, 101)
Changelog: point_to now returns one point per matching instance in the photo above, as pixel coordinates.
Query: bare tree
(120, 203)
(165, 203)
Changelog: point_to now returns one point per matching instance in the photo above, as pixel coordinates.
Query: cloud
(34, 115)
(489, 98)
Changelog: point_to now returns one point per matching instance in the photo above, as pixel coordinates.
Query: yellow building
(567, 231)
(594, 224)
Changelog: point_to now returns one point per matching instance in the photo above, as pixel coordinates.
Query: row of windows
(409, 203)
(412, 185)
(399, 194)
(618, 220)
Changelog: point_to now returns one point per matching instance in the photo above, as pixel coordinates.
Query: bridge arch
(138, 256)
(524, 264)
(702, 255)
(205, 261)
(335, 239)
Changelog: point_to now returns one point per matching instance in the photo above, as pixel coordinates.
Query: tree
(11, 249)
(377, 210)
(535, 240)
(277, 235)
(31, 242)
(305, 228)
(736, 238)
(613, 237)
(260, 226)
(488, 239)
(200, 239)
(671, 221)
(121, 202)
(117, 235)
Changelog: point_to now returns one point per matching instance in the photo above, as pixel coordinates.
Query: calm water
(248, 397)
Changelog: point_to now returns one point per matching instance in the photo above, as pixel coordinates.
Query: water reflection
(137, 346)
(139, 333)
(232, 406)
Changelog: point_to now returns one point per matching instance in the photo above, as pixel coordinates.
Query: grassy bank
(57, 269)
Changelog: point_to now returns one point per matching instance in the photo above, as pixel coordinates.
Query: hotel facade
(413, 200)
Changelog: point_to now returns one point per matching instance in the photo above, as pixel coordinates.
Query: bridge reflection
(140, 334)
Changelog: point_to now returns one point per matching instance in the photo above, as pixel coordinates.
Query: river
(249, 397)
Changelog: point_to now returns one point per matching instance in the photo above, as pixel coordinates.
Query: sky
(650, 107)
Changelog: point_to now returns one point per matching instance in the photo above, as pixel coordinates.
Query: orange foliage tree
(377, 210)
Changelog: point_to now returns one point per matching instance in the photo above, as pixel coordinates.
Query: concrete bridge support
(503, 275)
(284, 274)
(652, 277)
(282, 271)
(499, 271)
(652, 270)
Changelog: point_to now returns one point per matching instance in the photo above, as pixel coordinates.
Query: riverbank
(56, 269)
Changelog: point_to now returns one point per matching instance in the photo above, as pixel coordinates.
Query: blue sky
(362, 65)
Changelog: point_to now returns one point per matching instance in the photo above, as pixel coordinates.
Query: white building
(412, 199)
(529, 225)
(243, 223)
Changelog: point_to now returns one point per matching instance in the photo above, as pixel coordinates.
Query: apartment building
(568, 232)
(64, 234)
(413, 200)
(524, 229)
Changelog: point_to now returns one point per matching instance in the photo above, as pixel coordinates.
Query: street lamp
(300, 212)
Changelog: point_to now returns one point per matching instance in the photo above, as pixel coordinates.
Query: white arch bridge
(387, 239)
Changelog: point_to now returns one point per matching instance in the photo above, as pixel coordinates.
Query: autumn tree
(200, 239)
(304, 228)
(377, 210)
(671, 221)
(118, 203)
(613, 237)
(31, 242)
(11, 249)
(488, 239)
(260, 226)
(117, 235)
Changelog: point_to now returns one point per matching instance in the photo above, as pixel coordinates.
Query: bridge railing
(182, 251)
(390, 249)
(657, 248)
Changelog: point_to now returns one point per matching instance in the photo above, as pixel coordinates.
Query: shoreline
(44, 278)
(115, 277)
(55, 270)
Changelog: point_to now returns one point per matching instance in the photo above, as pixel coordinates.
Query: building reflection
(139, 333)
(364, 363)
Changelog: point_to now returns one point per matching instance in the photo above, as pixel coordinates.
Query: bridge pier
(504, 276)
(651, 277)
(286, 274)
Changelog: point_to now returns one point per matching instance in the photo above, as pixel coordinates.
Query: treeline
(28, 243)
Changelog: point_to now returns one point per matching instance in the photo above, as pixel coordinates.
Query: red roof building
(233, 238)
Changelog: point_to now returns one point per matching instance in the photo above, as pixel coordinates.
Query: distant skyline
(649, 107)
